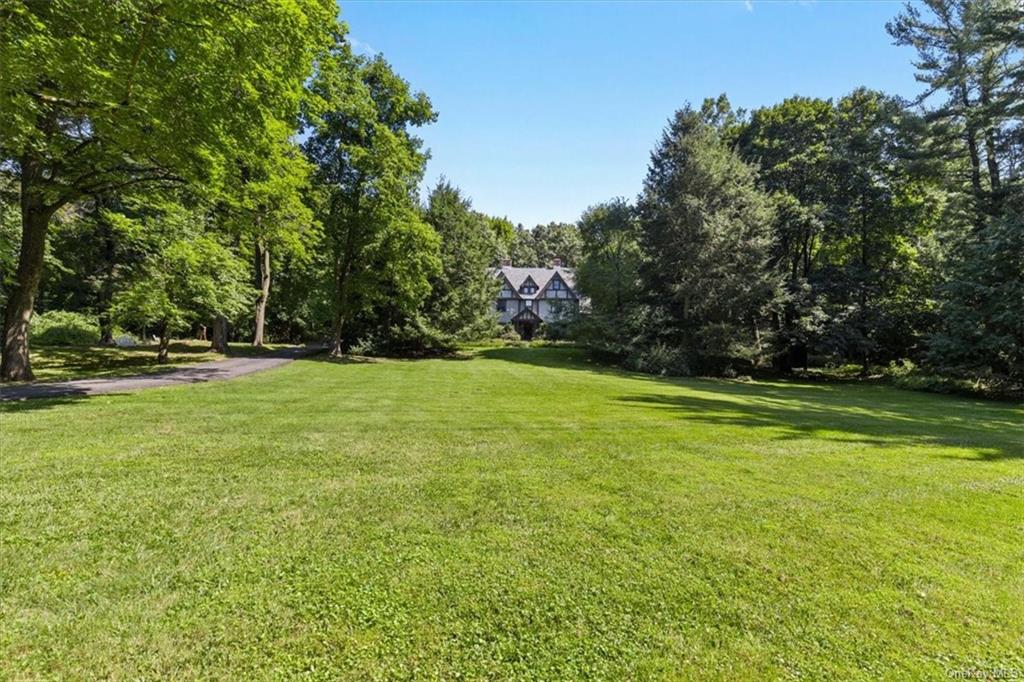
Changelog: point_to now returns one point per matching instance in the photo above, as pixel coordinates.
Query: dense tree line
(151, 178)
(540, 246)
(165, 170)
(866, 230)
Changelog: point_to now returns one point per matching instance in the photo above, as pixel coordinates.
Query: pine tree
(705, 233)
(461, 303)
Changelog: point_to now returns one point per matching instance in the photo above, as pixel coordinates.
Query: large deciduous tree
(609, 272)
(380, 252)
(790, 143)
(538, 247)
(266, 209)
(98, 96)
(187, 273)
(876, 216)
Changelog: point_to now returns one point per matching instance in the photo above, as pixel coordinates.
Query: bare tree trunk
(106, 331)
(162, 352)
(336, 331)
(972, 152)
(866, 351)
(105, 294)
(263, 276)
(35, 220)
(993, 163)
(220, 335)
(987, 80)
(342, 269)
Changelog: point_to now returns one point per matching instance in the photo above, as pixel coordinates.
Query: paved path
(217, 370)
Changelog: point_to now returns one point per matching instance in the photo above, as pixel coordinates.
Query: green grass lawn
(58, 363)
(520, 514)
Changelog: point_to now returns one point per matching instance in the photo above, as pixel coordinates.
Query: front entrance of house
(526, 324)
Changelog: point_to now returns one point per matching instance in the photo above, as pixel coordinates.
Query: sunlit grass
(521, 514)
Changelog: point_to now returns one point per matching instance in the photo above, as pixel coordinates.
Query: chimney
(556, 262)
(506, 262)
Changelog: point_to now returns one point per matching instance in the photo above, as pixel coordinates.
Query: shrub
(509, 334)
(658, 358)
(413, 338)
(985, 384)
(557, 330)
(65, 328)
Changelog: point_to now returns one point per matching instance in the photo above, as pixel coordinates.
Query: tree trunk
(994, 180)
(971, 137)
(263, 277)
(106, 290)
(336, 331)
(35, 220)
(163, 349)
(220, 335)
(972, 152)
(106, 331)
(866, 351)
(342, 268)
(991, 160)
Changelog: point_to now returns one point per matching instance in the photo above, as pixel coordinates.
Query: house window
(500, 305)
(529, 304)
(556, 284)
(528, 289)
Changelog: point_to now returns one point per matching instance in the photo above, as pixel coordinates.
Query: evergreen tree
(973, 51)
(705, 234)
(983, 302)
(461, 301)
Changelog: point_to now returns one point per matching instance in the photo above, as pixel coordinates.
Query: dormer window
(556, 284)
(528, 287)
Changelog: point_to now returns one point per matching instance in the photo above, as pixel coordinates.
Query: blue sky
(548, 107)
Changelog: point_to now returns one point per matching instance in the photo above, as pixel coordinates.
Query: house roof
(540, 276)
(526, 314)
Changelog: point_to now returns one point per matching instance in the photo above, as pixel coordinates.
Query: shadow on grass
(866, 414)
(14, 406)
(40, 395)
(371, 360)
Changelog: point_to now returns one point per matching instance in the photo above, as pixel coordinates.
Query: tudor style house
(531, 296)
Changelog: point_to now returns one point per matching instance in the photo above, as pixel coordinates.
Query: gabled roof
(540, 276)
(526, 314)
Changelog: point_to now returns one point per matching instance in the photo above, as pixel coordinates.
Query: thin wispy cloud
(749, 5)
(359, 47)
